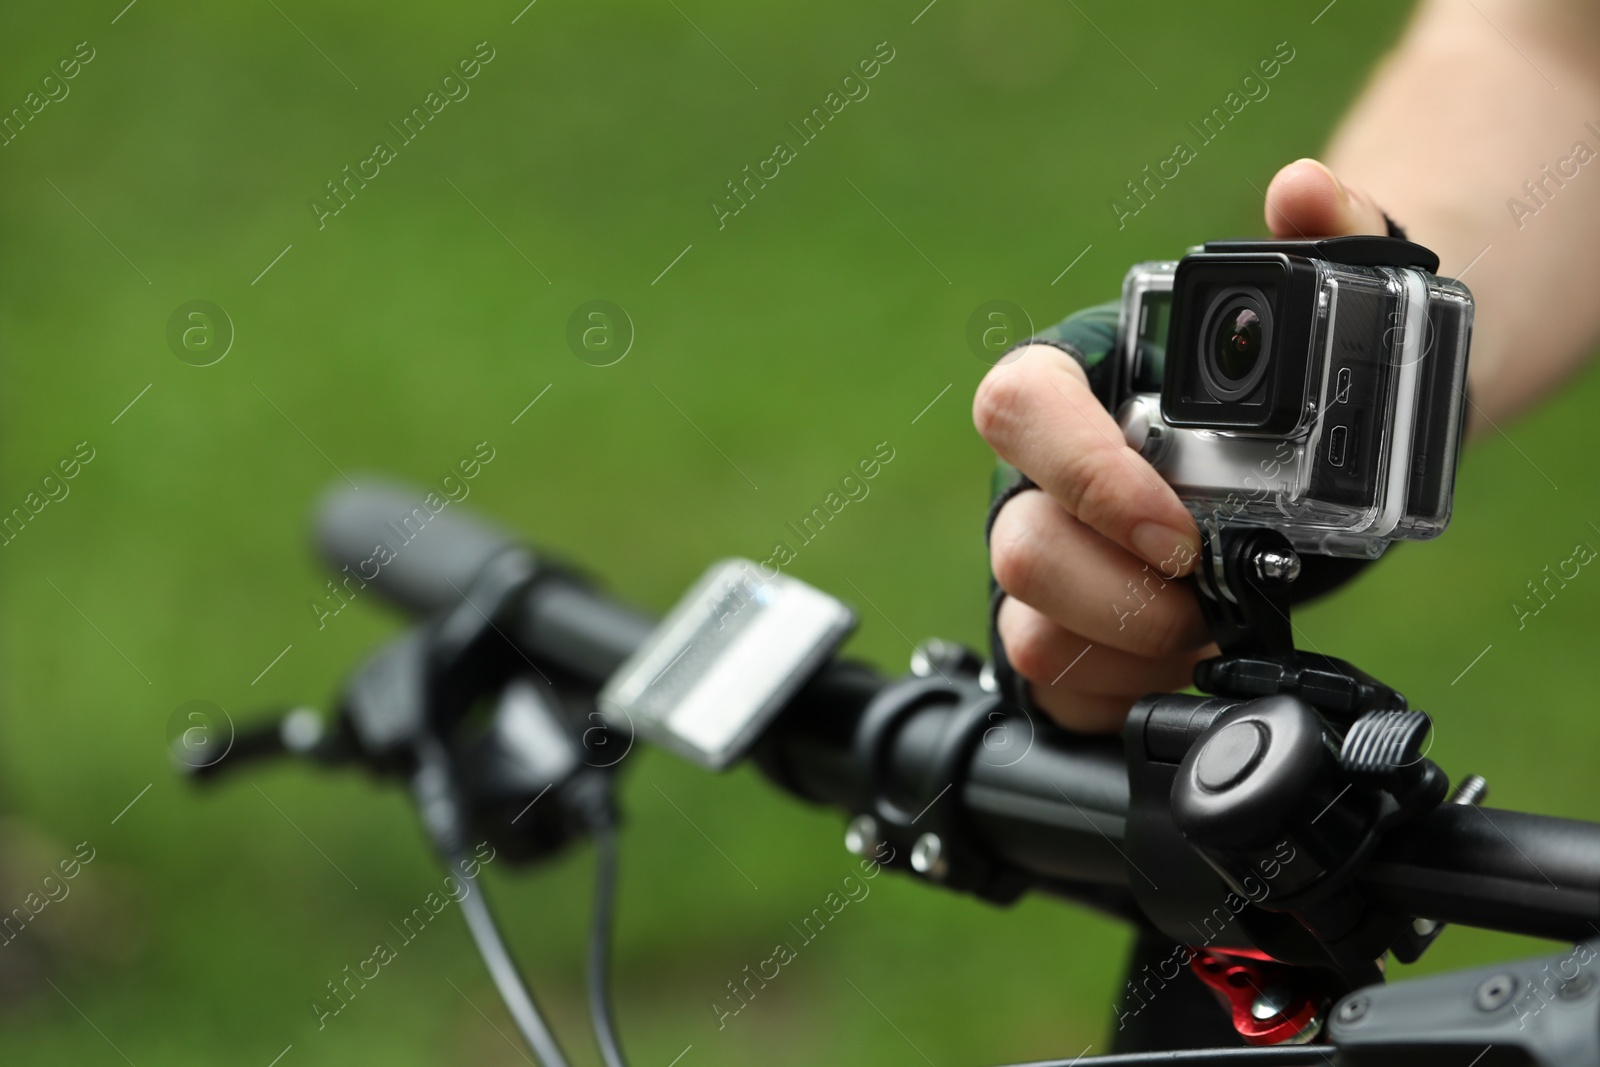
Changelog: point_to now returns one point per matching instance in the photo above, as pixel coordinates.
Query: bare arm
(1478, 99)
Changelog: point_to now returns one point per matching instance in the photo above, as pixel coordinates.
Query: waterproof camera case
(1316, 388)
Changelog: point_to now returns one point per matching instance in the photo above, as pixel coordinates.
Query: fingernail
(1169, 550)
(1338, 185)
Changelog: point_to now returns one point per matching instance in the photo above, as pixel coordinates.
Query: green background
(795, 339)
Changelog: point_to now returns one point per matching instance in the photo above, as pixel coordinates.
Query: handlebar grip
(435, 555)
(1536, 875)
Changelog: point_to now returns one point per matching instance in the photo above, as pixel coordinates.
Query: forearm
(1455, 122)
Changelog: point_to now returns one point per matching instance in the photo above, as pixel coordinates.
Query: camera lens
(1235, 343)
(1238, 343)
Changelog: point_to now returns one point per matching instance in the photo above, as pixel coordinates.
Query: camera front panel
(1238, 344)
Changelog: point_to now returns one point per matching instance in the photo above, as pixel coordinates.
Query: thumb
(1305, 200)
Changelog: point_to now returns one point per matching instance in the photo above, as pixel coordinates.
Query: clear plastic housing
(1371, 458)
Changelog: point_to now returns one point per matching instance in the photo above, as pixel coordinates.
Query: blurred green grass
(796, 338)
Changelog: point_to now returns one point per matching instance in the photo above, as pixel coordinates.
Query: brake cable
(600, 929)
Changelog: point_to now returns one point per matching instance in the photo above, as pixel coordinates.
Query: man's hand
(1094, 615)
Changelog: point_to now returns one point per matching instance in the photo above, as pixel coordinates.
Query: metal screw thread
(1471, 790)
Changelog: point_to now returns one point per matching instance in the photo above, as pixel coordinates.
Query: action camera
(1313, 387)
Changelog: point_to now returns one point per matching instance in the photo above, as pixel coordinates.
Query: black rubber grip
(435, 557)
(432, 557)
(1536, 875)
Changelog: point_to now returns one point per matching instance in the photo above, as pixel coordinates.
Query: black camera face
(1237, 351)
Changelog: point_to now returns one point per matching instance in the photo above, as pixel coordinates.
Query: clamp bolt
(936, 656)
(927, 858)
(861, 836)
(1271, 1003)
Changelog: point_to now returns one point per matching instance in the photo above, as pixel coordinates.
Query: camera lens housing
(1236, 341)
(1238, 350)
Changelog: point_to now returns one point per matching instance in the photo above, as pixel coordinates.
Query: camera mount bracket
(1245, 577)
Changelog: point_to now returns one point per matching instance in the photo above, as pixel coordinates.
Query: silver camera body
(1317, 388)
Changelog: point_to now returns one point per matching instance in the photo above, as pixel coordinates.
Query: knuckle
(1101, 490)
(1028, 648)
(1014, 551)
(998, 399)
(1009, 389)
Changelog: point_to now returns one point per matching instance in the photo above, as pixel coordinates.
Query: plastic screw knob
(1385, 744)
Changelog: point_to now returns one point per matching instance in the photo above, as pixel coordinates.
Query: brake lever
(300, 733)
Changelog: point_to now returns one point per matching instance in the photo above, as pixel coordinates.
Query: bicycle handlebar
(561, 622)
(1056, 814)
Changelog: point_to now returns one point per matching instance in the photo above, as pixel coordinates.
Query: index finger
(1039, 414)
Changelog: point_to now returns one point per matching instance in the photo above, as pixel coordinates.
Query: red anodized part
(1242, 982)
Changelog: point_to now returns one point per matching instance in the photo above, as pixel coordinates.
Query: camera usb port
(1341, 386)
(1338, 445)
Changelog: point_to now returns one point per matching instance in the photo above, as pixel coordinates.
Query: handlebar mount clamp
(952, 714)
